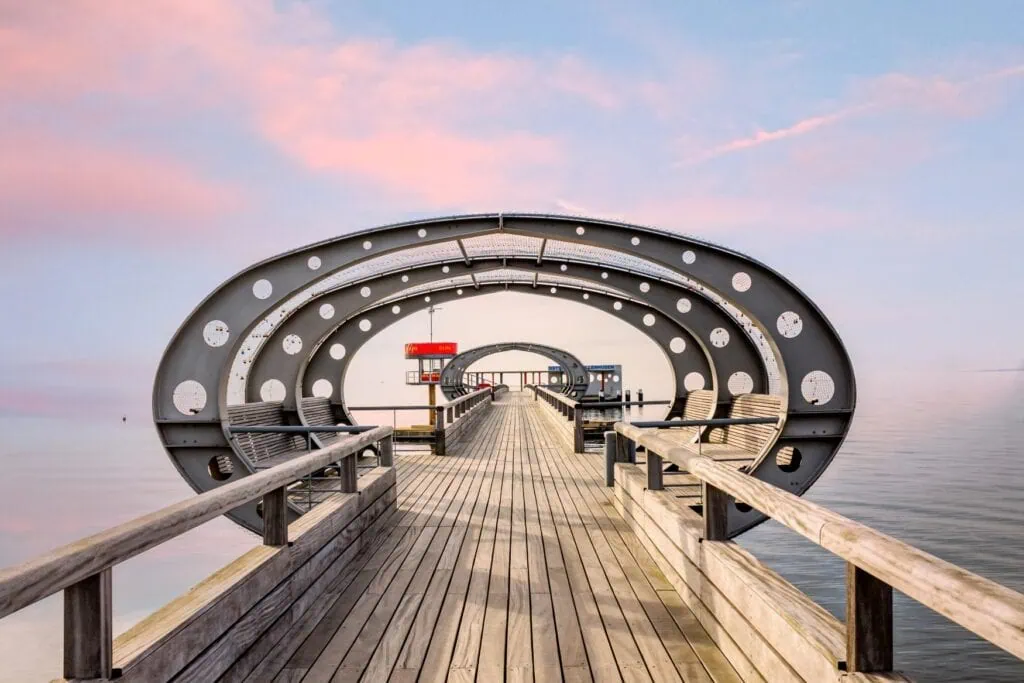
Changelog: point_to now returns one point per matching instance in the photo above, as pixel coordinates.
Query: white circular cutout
(364, 292)
(189, 397)
(604, 276)
(818, 388)
(337, 351)
(367, 245)
(789, 324)
(741, 282)
(580, 230)
(740, 383)
(273, 390)
(262, 289)
(427, 299)
(216, 333)
(649, 319)
(365, 325)
(683, 305)
(635, 241)
(617, 305)
(694, 381)
(719, 337)
(554, 290)
(689, 257)
(323, 388)
(327, 311)
(396, 309)
(563, 267)
(677, 345)
(314, 263)
(592, 377)
(292, 344)
(445, 269)
(586, 296)
(421, 232)
(405, 278)
(459, 292)
(645, 287)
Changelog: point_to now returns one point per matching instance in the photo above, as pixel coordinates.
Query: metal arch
(573, 367)
(701, 318)
(812, 353)
(320, 364)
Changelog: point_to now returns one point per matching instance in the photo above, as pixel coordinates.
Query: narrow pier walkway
(504, 561)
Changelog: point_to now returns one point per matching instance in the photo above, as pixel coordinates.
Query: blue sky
(872, 152)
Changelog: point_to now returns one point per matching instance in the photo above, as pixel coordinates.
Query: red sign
(431, 350)
(434, 377)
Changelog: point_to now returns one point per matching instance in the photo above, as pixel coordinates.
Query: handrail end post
(386, 451)
(88, 628)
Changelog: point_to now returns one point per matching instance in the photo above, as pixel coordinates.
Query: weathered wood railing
(876, 563)
(83, 569)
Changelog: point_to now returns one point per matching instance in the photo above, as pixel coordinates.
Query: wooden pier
(507, 559)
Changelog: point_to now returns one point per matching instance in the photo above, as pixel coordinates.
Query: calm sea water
(937, 461)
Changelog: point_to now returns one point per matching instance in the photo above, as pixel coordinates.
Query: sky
(872, 152)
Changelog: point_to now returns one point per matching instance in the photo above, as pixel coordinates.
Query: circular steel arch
(572, 367)
(817, 376)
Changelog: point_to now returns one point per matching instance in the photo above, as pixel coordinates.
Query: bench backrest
(317, 411)
(753, 438)
(258, 447)
(700, 405)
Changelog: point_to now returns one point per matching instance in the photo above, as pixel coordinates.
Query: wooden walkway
(505, 560)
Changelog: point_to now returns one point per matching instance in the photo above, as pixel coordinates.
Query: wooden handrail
(982, 606)
(560, 398)
(27, 583)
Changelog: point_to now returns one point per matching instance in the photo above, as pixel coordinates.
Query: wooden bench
(318, 411)
(264, 450)
(700, 405)
(740, 445)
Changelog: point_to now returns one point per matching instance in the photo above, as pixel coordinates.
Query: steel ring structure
(287, 328)
(572, 367)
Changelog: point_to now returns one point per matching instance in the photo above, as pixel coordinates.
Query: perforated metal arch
(572, 367)
(758, 331)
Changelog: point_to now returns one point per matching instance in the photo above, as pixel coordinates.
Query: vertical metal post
(88, 628)
(868, 622)
(716, 511)
(349, 474)
(386, 452)
(610, 453)
(275, 517)
(577, 430)
(654, 471)
(640, 397)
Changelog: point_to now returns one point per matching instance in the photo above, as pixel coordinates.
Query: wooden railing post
(577, 430)
(386, 454)
(275, 517)
(350, 473)
(625, 449)
(868, 622)
(610, 457)
(439, 445)
(88, 628)
(453, 413)
(654, 471)
(716, 511)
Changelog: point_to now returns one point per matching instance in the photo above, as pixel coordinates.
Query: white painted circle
(683, 305)
(580, 230)
(740, 383)
(645, 287)
(689, 257)
(421, 232)
(367, 245)
(216, 333)
(818, 388)
(323, 388)
(741, 282)
(365, 325)
(617, 305)
(445, 269)
(273, 390)
(649, 319)
(314, 263)
(396, 309)
(262, 289)
(189, 397)
(677, 345)
(719, 337)
(694, 381)
(364, 292)
(790, 324)
(292, 344)
(327, 311)
(337, 351)
(635, 241)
